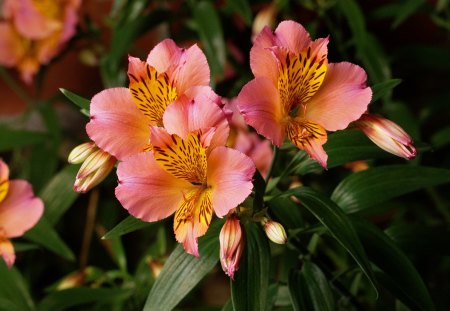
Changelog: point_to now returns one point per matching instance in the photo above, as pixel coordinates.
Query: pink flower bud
(387, 135)
(231, 245)
(274, 231)
(94, 170)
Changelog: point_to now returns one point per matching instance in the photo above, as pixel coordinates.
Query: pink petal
(146, 190)
(259, 150)
(4, 171)
(260, 105)
(230, 174)
(342, 98)
(316, 152)
(117, 126)
(190, 115)
(293, 36)
(70, 20)
(20, 209)
(7, 252)
(186, 67)
(289, 34)
(11, 47)
(31, 23)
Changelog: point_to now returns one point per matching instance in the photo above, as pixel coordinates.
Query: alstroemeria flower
(297, 94)
(34, 31)
(189, 172)
(121, 117)
(19, 211)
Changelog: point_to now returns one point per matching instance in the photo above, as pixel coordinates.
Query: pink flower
(19, 211)
(232, 242)
(34, 32)
(189, 172)
(121, 117)
(387, 135)
(297, 94)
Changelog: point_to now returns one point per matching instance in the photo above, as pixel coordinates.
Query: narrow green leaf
(58, 194)
(44, 234)
(441, 138)
(127, 225)
(362, 190)
(383, 88)
(8, 305)
(406, 9)
(249, 289)
(309, 289)
(210, 32)
(12, 287)
(78, 100)
(182, 272)
(119, 253)
(12, 138)
(61, 300)
(393, 262)
(335, 220)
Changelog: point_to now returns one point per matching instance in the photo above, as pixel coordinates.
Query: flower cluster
(33, 32)
(184, 150)
(19, 211)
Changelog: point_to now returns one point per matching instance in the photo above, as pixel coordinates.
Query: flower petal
(230, 174)
(342, 98)
(117, 126)
(20, 210)
(146, 190)
(259, 103)
(4, 180)
(11, 46)
(190, 115)
(7, 252)
(185, 67)
(293, 36)
(192, 218)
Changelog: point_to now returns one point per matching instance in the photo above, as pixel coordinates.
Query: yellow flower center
(152, 92)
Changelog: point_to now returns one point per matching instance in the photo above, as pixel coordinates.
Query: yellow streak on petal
(49, 8)
(152, 92)
(300, 77)
(301, 133)
(4, 186)
(193, 215)
(183, 158)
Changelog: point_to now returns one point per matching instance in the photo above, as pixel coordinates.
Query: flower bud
(231, 245)
(265, 17)
(81, 152)
(94, 170)
(387, 135)
(274, 231)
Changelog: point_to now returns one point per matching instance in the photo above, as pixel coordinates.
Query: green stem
(4, 74)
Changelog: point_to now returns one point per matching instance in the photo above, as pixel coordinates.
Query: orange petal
(7, 252)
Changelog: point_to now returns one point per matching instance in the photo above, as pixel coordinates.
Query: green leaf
(241, 7)
(249, 290)
(405, 10)
(12, 138)
(44, 234)
(389, 258)
(309, 289)
(58, 195)
(127, 225)
(13, 287)
(78, 100)
(182, 272)
(362, 190)
(441, 138)
(383, 88)
(8, 305)
(339, 225)
(61, 300)
(210, 32)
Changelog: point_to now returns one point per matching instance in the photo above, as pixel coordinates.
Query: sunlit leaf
(390, 259)
(78, 100)
(377, 185)
(127, 225)
(58, 195)
(249, 289)
(44, 234)
(182, 272)
(338, 224)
